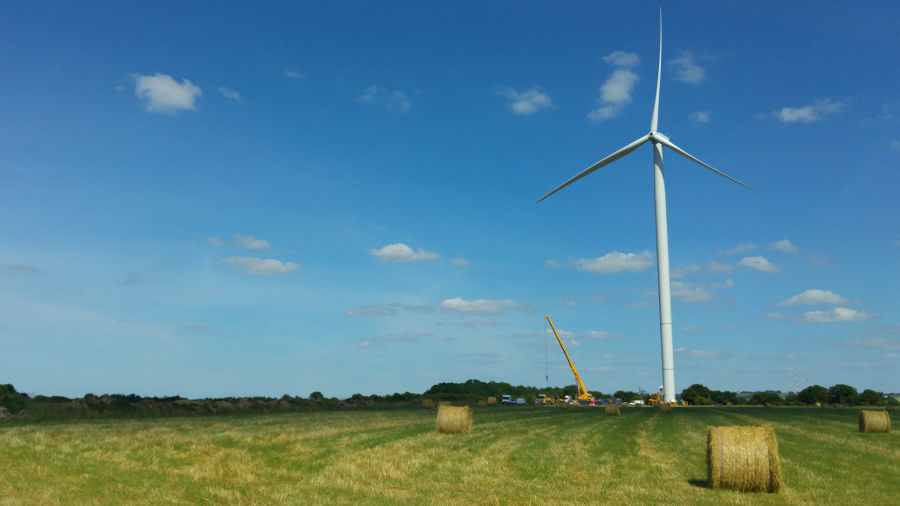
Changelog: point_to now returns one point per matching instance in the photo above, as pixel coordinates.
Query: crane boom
(582, 392)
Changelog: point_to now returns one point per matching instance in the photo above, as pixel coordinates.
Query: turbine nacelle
(658, 137)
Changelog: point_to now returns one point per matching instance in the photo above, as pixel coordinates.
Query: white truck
(506, 399)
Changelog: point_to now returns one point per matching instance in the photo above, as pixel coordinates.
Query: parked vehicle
(506, 399)
(520, 401)
(544, 400)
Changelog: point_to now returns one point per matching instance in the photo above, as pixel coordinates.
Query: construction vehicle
(583, 396)
(492, 400)
(654, 399)
(544, 400)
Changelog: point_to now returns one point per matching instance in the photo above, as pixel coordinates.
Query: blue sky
(232, 199)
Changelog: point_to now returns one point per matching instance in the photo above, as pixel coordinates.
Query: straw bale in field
(428, 403)
(874, 421)
(665, 407)
(612, 409)
(743, 458)
(454, 420)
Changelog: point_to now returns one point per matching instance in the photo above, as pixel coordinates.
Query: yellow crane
(583, 394)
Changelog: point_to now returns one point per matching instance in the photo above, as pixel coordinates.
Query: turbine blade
(609, 159)
(687, 155)
(655, 117)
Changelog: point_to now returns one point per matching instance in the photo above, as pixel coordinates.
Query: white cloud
(569, 300)
(215, 241)
(250, 242)
(808, 113)
(701, 116)
(260, 266)
(294, 75)
(229, 93)
(479, 306)
(364, 344)
(402, 253)
(838, 314)
(460, 261)
(599, 334)
(710, 267)
(610, 263)
(394, 101)
(744, 247)
(614, 95)
(527, 102)
(622, 59)
(784, 246)
(879, 343)
(690, 293)
(702, 354)
(758, 263)
(616, 90)
(163, 94)
(686, 68)
(814, 297)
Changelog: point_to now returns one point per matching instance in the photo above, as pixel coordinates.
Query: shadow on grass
(699, 483)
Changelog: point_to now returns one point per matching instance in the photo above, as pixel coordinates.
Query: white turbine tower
(662, 235)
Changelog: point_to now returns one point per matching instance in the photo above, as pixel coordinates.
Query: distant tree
(813, 394)
(316, 396)
(627, 396)
(723, 397)
(843, 394)
(892, 401)
(10, 399)
(871, 397)
(766, 398)
(694, 392)
(792, 400)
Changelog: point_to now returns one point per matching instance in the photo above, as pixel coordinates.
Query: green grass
(513, 456)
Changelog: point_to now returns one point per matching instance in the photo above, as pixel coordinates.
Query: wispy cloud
(382, 310)
(814, 297)
(484, 322)
(744, 247)
(394, 101)
(460, 261)
(250, 242)
(610, 263)
(808, 113)
(878, 343)
(838, 314)
(292, 74)
(229, 93)
(615, 93)
(527, 102)
(702, 354)
(686, 68)
(402, 253)
(695, 293)
(20, 269)
(784, 246)
(162, 94)
(701, 116)
(759, 264)
(260, 266)
(599, 334)
(481, 306)
(215, 241)
(708, 268)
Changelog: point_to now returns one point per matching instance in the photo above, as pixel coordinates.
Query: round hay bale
(838, 407)
(874, 421)
(743, 458)
(482, 403)
(665, 407)
(428, 403)
(612, 409)
(454, 420)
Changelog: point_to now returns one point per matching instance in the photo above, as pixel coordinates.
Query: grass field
(513, 456)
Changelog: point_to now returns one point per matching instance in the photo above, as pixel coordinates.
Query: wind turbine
(662, 235)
